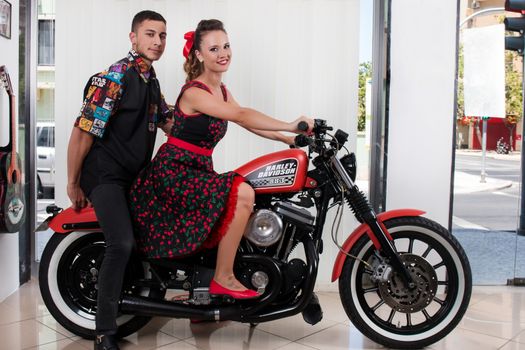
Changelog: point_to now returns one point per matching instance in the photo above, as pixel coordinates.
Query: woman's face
(215, 52)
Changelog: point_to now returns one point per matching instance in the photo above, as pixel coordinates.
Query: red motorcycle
(404, 280)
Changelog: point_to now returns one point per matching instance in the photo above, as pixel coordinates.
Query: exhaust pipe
(143, 306)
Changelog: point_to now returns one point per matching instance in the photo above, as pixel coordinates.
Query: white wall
(290, 58)
(9, 242)
(423, 51)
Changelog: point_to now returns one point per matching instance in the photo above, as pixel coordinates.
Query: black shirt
(122, 108)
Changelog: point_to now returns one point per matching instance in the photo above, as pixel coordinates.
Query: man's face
(149, 40)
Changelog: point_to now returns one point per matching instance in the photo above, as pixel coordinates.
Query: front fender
(364, 229)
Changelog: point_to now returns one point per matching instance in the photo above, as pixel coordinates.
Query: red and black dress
(178, 202)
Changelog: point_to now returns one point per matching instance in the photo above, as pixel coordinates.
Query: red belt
(189, 146)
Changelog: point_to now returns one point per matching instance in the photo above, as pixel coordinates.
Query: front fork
(365, 214)
(388, 249)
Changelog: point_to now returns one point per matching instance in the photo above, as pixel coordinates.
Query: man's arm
(79, 145)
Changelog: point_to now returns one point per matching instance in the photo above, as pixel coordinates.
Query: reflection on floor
(495, 320)
(495, 256)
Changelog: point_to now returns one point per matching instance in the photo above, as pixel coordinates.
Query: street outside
(493, 206)
(485, 216)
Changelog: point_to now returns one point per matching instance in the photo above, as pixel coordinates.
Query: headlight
(350, 165)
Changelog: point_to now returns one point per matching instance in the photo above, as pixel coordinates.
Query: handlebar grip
(301, 140)
(302, 126)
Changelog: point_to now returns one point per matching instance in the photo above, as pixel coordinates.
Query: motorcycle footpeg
(313, 313)
(222, 299)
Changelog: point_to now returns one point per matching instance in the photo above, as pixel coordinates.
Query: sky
(365, 30)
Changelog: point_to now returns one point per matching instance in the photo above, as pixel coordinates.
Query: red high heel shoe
(217, 289)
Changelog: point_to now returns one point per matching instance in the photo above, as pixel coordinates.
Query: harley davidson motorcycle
(404, 280)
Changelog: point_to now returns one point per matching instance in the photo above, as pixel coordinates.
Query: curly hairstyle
(192, 66)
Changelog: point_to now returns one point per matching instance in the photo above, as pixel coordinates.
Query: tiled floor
(494, 320)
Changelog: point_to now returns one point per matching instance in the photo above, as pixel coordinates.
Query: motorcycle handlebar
(302, 140)
(302, 126)
(320, 128)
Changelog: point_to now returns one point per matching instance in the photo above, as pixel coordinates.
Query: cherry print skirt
(180, 205)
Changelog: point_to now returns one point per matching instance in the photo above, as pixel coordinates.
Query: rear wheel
(68, 283)
(394, 315)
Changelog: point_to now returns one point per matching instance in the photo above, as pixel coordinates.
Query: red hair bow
(189, 36)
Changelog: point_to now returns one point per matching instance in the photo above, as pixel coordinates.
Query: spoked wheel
(389, 312)
(68, 282)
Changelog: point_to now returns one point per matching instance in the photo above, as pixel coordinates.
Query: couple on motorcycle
(177, 203)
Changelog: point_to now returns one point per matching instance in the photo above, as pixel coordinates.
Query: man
(113, 139)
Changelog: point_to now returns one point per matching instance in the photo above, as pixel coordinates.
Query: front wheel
(68, 283)
(393, 315)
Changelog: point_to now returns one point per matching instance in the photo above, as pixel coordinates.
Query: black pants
(110, 202)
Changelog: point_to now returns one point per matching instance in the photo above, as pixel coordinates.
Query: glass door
(487, 183)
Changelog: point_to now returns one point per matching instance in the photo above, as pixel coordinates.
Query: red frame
(72, 216)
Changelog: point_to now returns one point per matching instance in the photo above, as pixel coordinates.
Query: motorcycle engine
(266, 227)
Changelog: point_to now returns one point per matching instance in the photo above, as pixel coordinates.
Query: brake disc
(403, 299)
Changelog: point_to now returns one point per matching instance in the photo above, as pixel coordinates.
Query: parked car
(45, 163)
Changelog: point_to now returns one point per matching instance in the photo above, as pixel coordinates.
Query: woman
(179, 202)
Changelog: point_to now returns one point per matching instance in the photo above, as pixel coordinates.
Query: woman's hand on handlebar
(299, 126)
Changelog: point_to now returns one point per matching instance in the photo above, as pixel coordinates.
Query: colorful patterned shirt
(105, 91)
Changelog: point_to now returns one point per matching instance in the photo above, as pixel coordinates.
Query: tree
(513, 93)
(460, 114)
(461, 118)
(513, 98)
(365, 73)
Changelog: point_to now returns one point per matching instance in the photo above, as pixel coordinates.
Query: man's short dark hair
(145, 15)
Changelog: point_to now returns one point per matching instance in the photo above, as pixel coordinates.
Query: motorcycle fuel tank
(283, 171)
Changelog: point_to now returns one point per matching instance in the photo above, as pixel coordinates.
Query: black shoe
(106, 342)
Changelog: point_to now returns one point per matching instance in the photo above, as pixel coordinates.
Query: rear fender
(70, 220)
(365, 229)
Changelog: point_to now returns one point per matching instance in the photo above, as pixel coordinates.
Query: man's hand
(166, 127)
(77, 196)
(79, 145)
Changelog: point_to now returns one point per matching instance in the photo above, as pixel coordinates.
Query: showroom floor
(495, 320)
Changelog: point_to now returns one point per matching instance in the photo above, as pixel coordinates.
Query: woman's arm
(274, 135)
(195, 100)
(271, 135)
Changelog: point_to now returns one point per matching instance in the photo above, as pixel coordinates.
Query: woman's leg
(229, 243)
